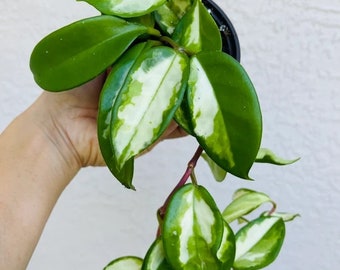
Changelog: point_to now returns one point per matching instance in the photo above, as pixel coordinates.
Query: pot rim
(230, 41)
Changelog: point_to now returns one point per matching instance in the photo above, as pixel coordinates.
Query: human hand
(69, 119)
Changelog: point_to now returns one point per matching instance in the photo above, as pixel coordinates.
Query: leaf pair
(138, 101)
(259, 242)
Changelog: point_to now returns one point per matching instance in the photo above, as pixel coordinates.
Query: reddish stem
(190, 168)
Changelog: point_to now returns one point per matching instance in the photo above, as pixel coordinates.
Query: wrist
(54, 143)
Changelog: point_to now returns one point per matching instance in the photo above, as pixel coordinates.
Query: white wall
(291, 50)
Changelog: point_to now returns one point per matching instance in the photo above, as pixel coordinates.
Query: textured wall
(291, 50)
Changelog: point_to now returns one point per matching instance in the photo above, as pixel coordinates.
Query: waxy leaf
(225, 112)
(245, 204)
(125, 263)
(259, 243)
(125, 8)
(147, 101)
(197, 30)
(192, 230)
(112, 87)
(267, 156)
(80, 51)
(169, 14)
(155, 257)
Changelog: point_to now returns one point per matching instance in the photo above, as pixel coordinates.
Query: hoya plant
(174, 60)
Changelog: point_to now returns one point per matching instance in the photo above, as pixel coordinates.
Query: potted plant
(174, 60)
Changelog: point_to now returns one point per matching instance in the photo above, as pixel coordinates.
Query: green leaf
(168, 15)
(218, 173)
(125, 263)
(197, 30)
(125, 8)
(192, 230)
(111, 89)
(259, 243)
(80, 51)
(285, 216)
(227, 249)
(225, 112)
(267, 156)
(155, 257)
(147, 101)
(244, 204)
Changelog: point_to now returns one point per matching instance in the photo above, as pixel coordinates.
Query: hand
(41, 151)
(70, 118)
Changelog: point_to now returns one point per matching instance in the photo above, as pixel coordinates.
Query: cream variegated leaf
(259, 243)
(147, 102)
(193, 230)
(244, 203)
(197, 30)
(225, 113)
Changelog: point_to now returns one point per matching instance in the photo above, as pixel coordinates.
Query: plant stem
(175, 45)
(189, 172)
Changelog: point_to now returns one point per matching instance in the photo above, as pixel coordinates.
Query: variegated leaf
(259, 243)
(112, 87)
(169, 14)
(225, 112)
(125, 8)
(147, 102)
(192, 230)
(125, 263)
(155, 257)
(197, 30)
(80, 51)
(244, 204)
(267, 156)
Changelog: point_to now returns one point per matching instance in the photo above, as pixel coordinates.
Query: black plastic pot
(230, 42)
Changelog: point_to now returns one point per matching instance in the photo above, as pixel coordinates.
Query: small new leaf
(244, 204)
(267, 156)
